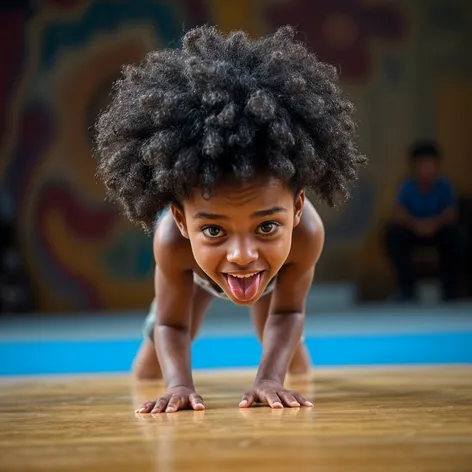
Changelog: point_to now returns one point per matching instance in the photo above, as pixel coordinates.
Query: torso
(427, 203)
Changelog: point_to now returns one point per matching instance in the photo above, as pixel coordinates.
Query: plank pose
(211, 147)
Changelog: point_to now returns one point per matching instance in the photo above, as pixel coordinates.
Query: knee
(139, 372)
(449, 232)
(145, 366)
(449, 236)
(193, 333)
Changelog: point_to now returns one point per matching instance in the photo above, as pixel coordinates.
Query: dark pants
(400, 242)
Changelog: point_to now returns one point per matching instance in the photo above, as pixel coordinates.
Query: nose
(242, 251)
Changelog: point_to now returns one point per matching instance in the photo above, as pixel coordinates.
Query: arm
(427, 226)
(447, 217)
(447, 214)
(403, 218)
(284, 325)
(172, 339)
(172, 330)
(401, 215)
(449, 202)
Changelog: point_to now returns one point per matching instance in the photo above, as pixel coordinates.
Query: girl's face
(242, 235)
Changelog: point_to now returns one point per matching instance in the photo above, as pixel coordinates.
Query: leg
(447, 242)
(301, 362)
(145, 364)
(399, 243)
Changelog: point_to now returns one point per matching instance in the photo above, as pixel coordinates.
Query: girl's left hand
(273, 393)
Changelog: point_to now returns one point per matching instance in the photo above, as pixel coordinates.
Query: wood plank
(364, 419)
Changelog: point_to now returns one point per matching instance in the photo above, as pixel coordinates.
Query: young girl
(221, 139)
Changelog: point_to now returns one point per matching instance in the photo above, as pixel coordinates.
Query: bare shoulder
(308, 238)
(171, 250)
(173, 281)
(296, 276)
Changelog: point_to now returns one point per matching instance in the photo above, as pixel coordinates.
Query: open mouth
(244, 286)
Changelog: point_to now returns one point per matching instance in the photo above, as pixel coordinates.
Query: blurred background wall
(406, 64)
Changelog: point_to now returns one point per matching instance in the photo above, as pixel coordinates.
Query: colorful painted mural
(63, 56)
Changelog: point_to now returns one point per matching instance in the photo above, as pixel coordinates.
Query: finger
(197, 402)
(273, 400)
(160, 406)
(247, 400)
(146, 408)
(302, 400)
(289, 399)
(174, 404)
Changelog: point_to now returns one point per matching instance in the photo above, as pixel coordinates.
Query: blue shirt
(426, 205)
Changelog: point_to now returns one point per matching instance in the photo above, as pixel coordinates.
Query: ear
(179, 218)
(299, 203)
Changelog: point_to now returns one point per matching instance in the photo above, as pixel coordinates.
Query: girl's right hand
(176, 398)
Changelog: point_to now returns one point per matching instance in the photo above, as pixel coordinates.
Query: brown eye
(268, 228)
(213, 231)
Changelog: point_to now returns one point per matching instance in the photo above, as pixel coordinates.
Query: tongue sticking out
(244, 289)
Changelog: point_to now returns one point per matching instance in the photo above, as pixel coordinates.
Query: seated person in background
(425, 215)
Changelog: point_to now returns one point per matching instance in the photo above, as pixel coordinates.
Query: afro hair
(225, 107)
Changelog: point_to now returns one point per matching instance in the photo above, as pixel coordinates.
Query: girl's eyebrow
(269, 212)
(202, 215)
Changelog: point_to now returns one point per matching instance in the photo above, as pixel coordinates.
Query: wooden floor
(385, 419)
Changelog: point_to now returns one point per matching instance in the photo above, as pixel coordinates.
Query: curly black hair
(225, 107)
